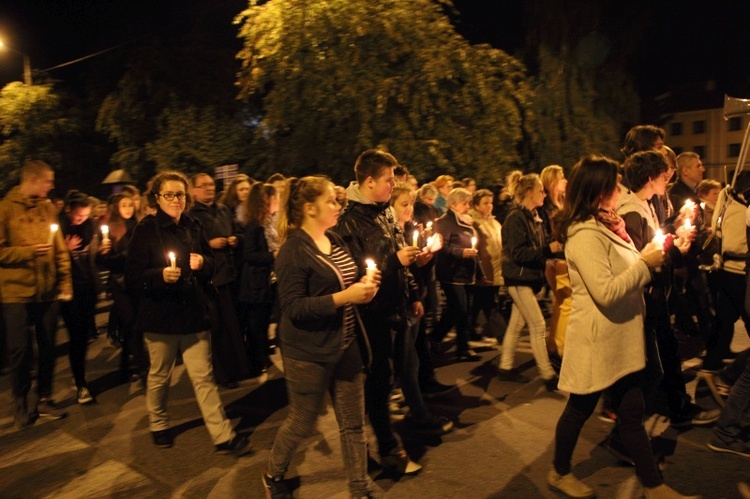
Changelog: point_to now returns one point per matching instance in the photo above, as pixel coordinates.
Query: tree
(32, 126)
(585, 101)
(330, 78)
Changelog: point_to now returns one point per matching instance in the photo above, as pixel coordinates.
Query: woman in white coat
(604, 347)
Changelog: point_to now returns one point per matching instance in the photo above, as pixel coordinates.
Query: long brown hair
(592, 178)
(258, 203)
(298, 192)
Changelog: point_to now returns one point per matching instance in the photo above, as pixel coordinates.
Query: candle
(688, 209)
(428, 228)
(415, 238)
(105, 233)
(473, 243)
(688, 225)
(371, 268)
(659, 239)
(52, 231)
(172, 261)
(430, 240)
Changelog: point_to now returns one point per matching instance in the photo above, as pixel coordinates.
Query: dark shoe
(695, 416)
(431, 424)
(737, 447)
(512, 375)
(237, 446)
(84, 396)
(228, 384)
(434, 388)
(398, 461)
(275, 488)
(613, 444)
(468, 355)
(48, 409)
(163, 438)
(551, 384)
(21, 416)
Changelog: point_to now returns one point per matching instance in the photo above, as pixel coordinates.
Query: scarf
(613, 222)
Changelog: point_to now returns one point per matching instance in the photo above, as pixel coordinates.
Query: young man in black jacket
(368, 228)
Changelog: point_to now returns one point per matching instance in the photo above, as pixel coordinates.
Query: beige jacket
(604, 338)
(24, 277)
(490, 246)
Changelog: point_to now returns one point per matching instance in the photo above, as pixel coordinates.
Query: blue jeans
(306, 384)
(729, 426)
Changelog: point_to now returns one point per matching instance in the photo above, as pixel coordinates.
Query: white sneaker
(84, 396)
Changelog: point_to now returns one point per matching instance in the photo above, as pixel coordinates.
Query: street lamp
(26, 63)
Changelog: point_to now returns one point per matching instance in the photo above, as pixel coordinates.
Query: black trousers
(79, 316)
(730, 306)
(19, 319)
(227, 342)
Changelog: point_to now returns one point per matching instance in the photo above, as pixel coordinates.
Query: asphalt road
(501, 446)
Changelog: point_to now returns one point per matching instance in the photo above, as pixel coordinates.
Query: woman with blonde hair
(323, 342)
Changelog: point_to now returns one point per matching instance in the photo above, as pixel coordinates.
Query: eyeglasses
(170, 196)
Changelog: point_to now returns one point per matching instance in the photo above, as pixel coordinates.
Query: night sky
(686, 41)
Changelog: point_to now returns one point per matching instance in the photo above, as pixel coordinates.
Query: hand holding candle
(371, 269)
(105, 233)
(172, 261)
(473, 243)
(415, 239)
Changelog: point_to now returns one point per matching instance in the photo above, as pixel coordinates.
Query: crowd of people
(362, 287)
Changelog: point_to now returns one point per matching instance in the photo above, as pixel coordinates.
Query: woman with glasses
(170, 265)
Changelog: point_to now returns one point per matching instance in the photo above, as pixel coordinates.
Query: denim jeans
(196, 354)
(307, 383)
(729, 426)
(406, 363)
(526, 311)
(19, 317)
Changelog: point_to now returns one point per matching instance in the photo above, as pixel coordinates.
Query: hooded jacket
(24, 277)
(370, 232)
(605, 335)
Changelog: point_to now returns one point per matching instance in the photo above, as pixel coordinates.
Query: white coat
(604, 338)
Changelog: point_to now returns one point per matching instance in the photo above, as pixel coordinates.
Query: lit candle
(428, 228)
(430, 240)
(371, 268)
(52, 231)
(659, 239)
(688, 225)
(172, 261)
(688, 209)
(473, 243)
(105, 233)
(415, 238)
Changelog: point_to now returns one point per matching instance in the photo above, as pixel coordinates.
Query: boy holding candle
(34, 275)
(369, 230)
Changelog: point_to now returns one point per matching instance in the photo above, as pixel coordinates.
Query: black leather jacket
(370, 231)
(525, 248)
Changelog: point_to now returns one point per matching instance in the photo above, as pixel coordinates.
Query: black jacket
(450, 265)
(256, 270)
(679, 192)
(370, 232)
(424, 213)
(218, 221)
(311, 326)
(525, 248)
(178, 308)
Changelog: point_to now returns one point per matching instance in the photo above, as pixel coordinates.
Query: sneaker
(434, 388)
(512, 375)
(275, 488)
(569, 485)
(46, 408)
(608, 415)
(431, 424)
(706, 417)
(398, 461)
(162, 438)
(238, 446)
(397, 395)
(551, 384)
(696, 416)
(84, 396)
(21, 416)
(737, 447)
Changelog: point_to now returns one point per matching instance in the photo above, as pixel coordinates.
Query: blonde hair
(550, 177)
(298, 192)
(525, 185)
(511, 181)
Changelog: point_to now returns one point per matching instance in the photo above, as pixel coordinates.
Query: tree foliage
(33, 125)
(330, 78)
(585, 101)
(175, 107)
